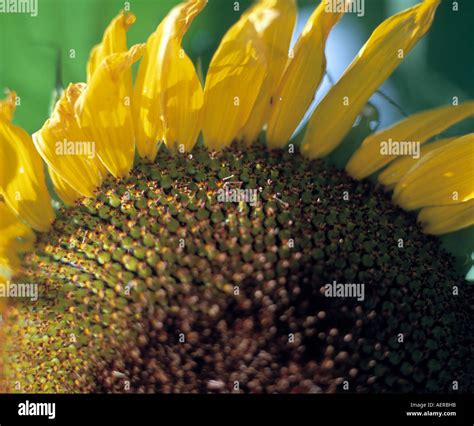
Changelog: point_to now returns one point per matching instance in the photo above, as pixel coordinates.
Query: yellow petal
(9, 263)
(22, 179)
(301, 77)
(168, 98)
(113, 41)
(400, 167)
(418, 127)
(443, 177)
(10, 245)
(15, 236)
(442, 220)
(104, 113)
(182, 100)
(233, 82)
(71, 157)
(65, 191)
(8, 106)
(274, 21)
(388, 45)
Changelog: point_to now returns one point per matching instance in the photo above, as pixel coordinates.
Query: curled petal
(445, 219)
(22, 178)
(113, 41)
(388, 45)
(168, 98)
(63, 145)
(233, 82)
(443, 177)
(418, 128)
(301, 78)
(104, 113)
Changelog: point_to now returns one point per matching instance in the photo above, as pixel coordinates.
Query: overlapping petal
(168, 96)
(104, 113)
(274, 21)
(182, 97)
(388, 45)
(443, 177)
(63, 145)
(400, 167)
(418, 128)
(234, 80)
(22, 178)
(301, 78)
(65, 191)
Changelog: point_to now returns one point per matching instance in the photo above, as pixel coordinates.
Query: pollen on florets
(169, 281)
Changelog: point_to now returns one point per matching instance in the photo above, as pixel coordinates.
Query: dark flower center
(247, 271)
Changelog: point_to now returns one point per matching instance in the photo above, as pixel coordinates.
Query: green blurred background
(439, 68)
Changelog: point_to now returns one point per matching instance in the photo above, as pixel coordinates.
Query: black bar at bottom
(309, 409)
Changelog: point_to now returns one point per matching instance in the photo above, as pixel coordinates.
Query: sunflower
(236, 264)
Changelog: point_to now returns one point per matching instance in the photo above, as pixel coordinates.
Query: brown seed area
(207, 274)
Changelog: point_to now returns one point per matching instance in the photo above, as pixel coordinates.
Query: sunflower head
(236, 263)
